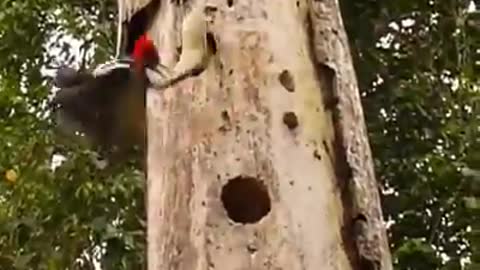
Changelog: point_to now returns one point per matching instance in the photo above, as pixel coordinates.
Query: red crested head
(144, 52)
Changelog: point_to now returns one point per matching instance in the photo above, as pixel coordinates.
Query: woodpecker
(107, 105)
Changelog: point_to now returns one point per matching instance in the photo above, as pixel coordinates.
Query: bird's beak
(157, 75)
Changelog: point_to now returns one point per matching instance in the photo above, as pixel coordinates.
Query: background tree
(417, 66)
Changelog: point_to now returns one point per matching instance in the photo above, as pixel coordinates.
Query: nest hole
(245, 199)
(139, 23)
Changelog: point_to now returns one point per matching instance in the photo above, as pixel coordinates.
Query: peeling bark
(261, 161)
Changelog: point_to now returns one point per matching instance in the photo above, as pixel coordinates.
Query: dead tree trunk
(262, 161)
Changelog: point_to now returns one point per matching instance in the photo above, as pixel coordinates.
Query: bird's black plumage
(104, 104)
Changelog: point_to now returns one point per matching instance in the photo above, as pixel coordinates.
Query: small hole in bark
(252, 249)
(229, 3)
(210, 9)
(290, 120)
(360, 217)
(286, 79)
(245, 199)
(225, 116)
(211, 43)
(226, 126)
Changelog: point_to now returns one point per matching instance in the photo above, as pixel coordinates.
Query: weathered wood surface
(263, 109)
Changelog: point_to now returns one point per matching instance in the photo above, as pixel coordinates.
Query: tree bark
(262, 161)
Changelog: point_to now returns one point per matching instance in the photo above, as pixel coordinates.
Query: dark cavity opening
(290, 120)
(211, 43)
(245, 199)
(139, 23)
(285, 78)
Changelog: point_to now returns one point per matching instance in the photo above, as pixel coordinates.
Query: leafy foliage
(417, 68)
(58, 216)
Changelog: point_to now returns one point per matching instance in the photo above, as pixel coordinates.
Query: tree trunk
(262, 161)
